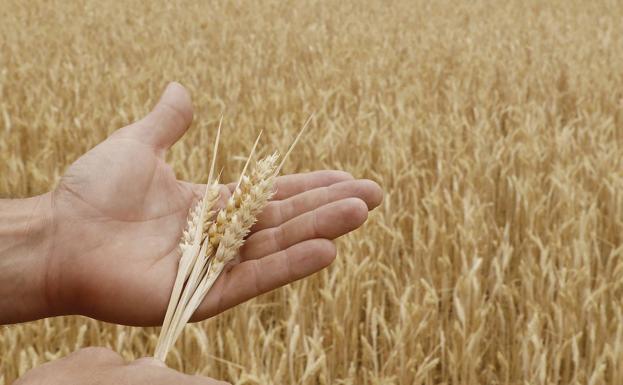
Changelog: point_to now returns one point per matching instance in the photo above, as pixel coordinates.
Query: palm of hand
(119, 212)
(129, 211)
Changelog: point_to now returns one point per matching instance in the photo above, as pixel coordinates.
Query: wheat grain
(200, 249)
(246, 203)
(223, 239)
(190, 245)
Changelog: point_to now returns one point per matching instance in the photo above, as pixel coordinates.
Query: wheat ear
(222, 238)
(190, 243)
(201, 267)
(246, 203)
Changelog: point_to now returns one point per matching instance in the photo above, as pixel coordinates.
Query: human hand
(102, 366)
(119, 211)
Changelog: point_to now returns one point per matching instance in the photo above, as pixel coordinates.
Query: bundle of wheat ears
(213, 237)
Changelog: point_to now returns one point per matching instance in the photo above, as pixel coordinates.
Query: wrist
(26, 237)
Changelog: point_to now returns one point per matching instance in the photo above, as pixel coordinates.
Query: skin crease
(117, 216)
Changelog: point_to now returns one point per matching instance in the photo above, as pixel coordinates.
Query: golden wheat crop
(495, 128)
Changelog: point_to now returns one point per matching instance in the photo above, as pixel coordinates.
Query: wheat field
(495, 129)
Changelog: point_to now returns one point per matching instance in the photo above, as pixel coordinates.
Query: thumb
(169, 119)
(149, 361)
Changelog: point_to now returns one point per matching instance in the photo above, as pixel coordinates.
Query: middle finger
(280, 211)
(329, 221)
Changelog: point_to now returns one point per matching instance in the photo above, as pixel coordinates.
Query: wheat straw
(219, 239)
(190, 243)
(248, 201)
(199, 255)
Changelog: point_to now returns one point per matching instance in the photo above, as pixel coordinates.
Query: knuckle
(278, 237)
(272, 213)
(281, 212)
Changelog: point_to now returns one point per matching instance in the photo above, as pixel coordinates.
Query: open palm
(119, 212)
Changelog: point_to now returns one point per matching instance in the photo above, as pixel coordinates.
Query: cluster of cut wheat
(213, 237)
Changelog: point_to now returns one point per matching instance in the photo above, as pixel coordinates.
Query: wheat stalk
(199, 242)
(190, 244)
(209, 245)
(246, 203)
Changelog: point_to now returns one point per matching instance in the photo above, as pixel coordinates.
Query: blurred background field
(495, 128)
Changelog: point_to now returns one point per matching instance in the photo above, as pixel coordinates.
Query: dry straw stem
(249, 200)
(191, 242)
(207, 237)
(224, 237)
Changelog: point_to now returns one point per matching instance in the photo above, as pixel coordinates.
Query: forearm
(25, 239)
